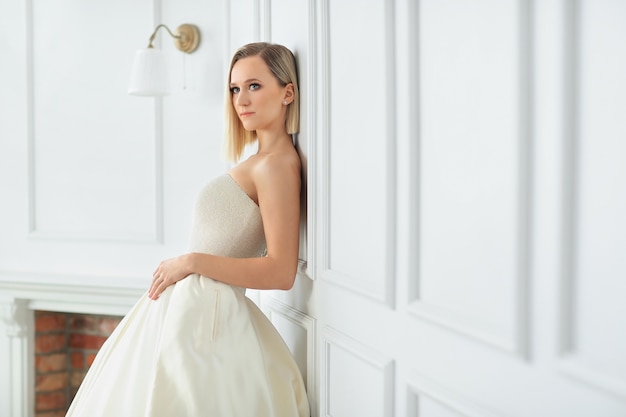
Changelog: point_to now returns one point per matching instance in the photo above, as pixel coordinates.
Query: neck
(268, 141)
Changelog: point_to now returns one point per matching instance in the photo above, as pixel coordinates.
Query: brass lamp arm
(155, 33)
(186, 38)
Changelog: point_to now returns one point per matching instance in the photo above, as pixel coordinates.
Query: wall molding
(73, 294)
(307, 323)
(312, 159)
(332, 338)
(19, 323)
(572, 366)
(569, 197)
(383, 292)
(570, 362)
(265, 19)
(156, 235)
(418, 386)
(462, 324)
(476, 327)
(257, 13)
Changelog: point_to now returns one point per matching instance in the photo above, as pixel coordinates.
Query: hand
(167, 273)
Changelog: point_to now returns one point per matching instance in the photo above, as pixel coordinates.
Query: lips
(246, 114)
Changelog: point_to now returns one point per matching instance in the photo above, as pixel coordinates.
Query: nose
(242, 99)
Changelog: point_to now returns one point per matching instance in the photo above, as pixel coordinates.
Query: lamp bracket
(186, 37)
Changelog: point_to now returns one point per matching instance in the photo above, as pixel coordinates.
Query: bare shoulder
(278, 167)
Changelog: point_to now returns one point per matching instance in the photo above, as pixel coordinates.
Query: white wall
(469, 174)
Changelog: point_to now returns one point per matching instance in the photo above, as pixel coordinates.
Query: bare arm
(277, 182)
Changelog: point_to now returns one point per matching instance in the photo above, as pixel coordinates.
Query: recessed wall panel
(426, 398)
(244, 24)
(472, 166)
(357, 381)
(429, 408)
(296, 338)
(595, 284)
(360, 141)
(93, 153)
(602, 197)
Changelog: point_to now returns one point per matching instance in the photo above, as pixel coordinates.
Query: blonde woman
(194, 345)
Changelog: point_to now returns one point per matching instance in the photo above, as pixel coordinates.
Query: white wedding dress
(203, 348)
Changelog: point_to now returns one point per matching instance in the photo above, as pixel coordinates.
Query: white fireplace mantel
(22, 293)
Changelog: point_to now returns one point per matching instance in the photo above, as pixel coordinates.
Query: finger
(156, 278)
(153, 287)
(161, 286)
(158, 287)
(153, 283)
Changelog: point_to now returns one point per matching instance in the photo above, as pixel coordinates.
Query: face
(257, 96)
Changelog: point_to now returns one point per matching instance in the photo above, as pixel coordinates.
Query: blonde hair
(282, 64)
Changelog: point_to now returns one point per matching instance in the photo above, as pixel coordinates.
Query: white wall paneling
(61, 293)
(265, 17)
(298, 331)
(355, 379)
(594, 230)
(471, 184)
(108, 178)
(244, 20)
(429, 399)
(95, 166)
(356, 223)
(19, 323)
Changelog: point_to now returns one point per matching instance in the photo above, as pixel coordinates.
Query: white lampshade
(149, 74)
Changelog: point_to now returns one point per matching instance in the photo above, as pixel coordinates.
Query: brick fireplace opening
(40, 370)
(65, 345)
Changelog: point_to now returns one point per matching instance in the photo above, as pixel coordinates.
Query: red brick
(79, 322)
(90, 359)
(76, 378)
(49, 343)
(58, 413)
(86, 341)
(50, 401)
(52, 382)
(50, 323)
(106, 325)
(78, 360)
(51, 362)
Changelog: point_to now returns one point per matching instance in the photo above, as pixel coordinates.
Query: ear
(288, 93)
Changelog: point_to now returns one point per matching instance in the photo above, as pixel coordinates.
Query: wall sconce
(149, 73)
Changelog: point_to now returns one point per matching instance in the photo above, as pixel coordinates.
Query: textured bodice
(226, 222)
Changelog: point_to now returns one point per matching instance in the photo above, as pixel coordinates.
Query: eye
(255, 86)
(234, 90)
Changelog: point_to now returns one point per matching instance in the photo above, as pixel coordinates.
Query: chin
(250, 127)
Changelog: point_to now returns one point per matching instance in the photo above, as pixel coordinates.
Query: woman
(194, 345)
